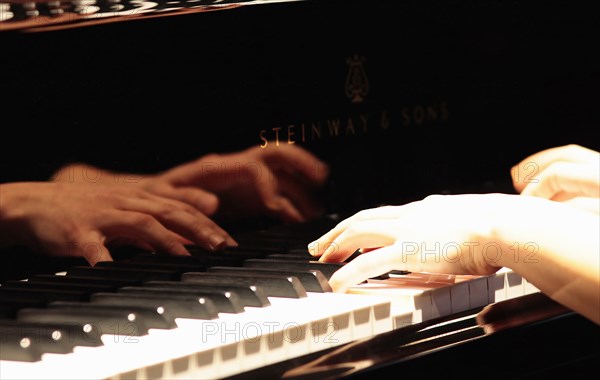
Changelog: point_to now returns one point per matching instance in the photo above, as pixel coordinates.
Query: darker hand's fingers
(301, 197)
(296, 161)
(182, 219)
(144, 227)
(92, 248)
(274, 204)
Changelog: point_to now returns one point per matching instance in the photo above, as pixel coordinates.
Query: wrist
(87, 174)
(497, 234)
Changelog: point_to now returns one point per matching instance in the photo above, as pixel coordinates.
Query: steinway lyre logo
(357, 84)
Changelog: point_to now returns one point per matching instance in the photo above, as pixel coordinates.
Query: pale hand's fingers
(365, 266)
(566, 178)
(584, 203)
(528, 169)
(359, 234)
(318, 247)
(143, 227)
(322, 244)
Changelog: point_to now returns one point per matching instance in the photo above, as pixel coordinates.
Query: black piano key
(108, 321)
(177, 305)
(250, 295)
(42, 295)
(274, 285)
(255, 250)
(206, 258)
(291, 256)
(152, 316)
(326, 268)
(164, 266)
(224, 301)
(240, 254)
(10, 308)
(76, 286)
(387, 275)
(264, 244)
(130, 273)
(300, 251)
(114, 283)
(398, 272)
(75, 334)
(47, 340)
(312, 280)
(304, 231)
(353, 256)
(19, 347)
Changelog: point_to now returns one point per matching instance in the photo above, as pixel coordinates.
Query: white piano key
(459, 297)
(402, 318)
(513, 285)
(423, 306)
(402, 299)
(441, 304)
(382, 317)
(478, 292)
(496, 287)
(528, 287)
(115, 358)
(228, 348)
(288, 328)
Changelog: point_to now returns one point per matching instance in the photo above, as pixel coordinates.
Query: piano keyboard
(214, 315)
(418, 297)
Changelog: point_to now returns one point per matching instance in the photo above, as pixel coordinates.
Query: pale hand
(569, 174)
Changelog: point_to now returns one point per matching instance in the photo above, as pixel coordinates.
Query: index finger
(365, 266)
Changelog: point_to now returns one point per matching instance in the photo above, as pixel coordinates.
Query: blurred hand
(278, 181)
(83, 219)
(569, 174)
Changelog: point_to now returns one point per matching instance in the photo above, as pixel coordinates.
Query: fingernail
(232, 242)
(216, 242)
(313, 248)
(277, 203)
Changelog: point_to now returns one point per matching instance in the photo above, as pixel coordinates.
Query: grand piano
(402, 99)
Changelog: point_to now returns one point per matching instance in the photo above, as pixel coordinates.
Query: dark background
(142, 96)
